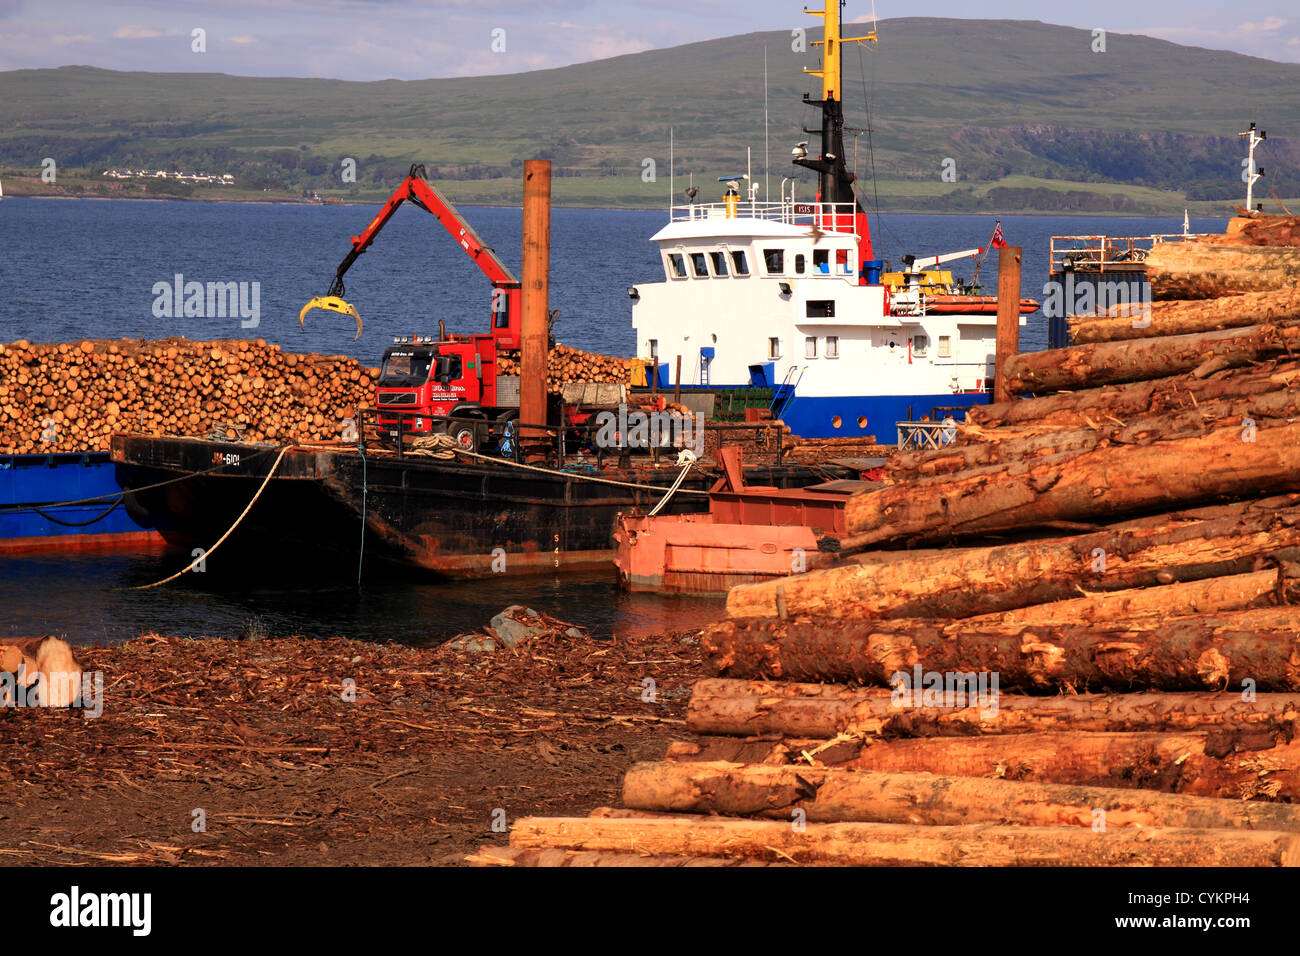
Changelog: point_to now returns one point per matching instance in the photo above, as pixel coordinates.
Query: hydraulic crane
(448, 384)
(422, 193)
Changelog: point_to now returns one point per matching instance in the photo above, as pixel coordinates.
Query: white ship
(788, 295)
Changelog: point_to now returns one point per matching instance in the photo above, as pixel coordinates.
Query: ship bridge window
(832, 346)
(820, 308)
(774, 261)
(700, 265)
(822, 261)
(799, 264)
(739, 264)
(842, 261)
(676, 265)
(719, 263)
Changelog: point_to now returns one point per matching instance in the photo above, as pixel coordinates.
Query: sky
(417, 39)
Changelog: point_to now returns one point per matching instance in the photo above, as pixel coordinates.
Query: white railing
(830, 217)
(1097, 253)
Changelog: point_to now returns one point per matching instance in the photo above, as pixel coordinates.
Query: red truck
(451, 383)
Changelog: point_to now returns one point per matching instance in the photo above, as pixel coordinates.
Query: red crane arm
(416, 189)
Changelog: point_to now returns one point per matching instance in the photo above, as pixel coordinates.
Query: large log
(894, 844)
(1107, 481)
(545, 857)
(1119, 403)
(821, 711)
(1109, 363)
(1184, 317)
(1260, 645)
(1251, 763)
(841, 795)
(1208, 596)
(1201, 270)
(960, 582)
(979, 447)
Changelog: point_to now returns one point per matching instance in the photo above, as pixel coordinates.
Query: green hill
(1031, 117)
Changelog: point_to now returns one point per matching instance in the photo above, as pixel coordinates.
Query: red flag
(997, 242)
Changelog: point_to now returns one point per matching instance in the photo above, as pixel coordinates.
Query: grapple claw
(331, 303)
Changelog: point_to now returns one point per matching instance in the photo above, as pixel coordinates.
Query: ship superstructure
(787, 294)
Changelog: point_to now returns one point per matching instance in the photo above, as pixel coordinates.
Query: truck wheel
(465, 435)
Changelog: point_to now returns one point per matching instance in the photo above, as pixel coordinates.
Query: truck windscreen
(405, 368)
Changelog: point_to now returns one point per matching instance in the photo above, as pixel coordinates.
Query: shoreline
(600, 208)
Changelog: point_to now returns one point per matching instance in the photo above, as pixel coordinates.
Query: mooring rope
(190, 567)
(81, 524)
(574, 474)
(671, 491)
(440, 445)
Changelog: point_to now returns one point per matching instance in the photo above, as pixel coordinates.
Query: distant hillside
(1032, 118)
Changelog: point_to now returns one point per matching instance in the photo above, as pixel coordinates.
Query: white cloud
(1264, 26)
(133, 32)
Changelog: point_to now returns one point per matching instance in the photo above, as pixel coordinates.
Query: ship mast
(834, 181)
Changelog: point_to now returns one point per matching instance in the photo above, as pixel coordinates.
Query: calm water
(77, 269)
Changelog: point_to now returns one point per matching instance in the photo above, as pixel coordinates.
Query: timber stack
(72, 396)
(1069, 638)
(567, 364)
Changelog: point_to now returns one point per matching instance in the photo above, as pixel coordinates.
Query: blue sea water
(87, 269)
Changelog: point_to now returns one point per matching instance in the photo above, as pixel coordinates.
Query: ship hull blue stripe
(813, 416)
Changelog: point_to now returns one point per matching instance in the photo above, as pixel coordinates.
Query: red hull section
(750, 534)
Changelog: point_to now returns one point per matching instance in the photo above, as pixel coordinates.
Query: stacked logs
(73, 396)
(1072, 637)
(567, 364)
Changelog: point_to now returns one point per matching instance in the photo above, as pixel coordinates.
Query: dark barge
(452, 517)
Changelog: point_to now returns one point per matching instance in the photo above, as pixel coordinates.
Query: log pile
(1070, 638)
(71, 397)
(567, 364)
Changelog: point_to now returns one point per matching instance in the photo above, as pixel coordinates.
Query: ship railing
(1099, 253)
(830, 217)
(557, 444)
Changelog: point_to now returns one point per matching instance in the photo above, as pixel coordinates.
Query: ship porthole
(862, 421)
(836, 422)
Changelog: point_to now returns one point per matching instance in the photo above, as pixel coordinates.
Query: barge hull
(452, 518)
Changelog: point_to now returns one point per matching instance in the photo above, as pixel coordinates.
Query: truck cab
(430, 381)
